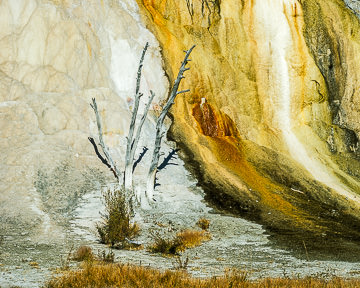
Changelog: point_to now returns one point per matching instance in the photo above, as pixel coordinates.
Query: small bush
(203, 223)
(116, 228)
(84, 253)
(184, 239)
(166, 246)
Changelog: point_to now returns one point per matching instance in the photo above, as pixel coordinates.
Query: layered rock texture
(54, 57)
(271, 125)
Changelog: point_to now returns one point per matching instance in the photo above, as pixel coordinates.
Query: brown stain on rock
(213, 124)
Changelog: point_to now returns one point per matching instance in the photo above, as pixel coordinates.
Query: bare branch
(103, 160)
(131, 143)
(104, 148)
(142, 121)
(183, 91)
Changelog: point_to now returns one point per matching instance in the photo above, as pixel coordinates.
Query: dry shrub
(203, 223)
(166, 246)
(119, 275)
(192, 238)
(116, 228)
(184, 239)
(83, 253)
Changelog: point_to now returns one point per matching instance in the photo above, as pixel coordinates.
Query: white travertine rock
(54, 57)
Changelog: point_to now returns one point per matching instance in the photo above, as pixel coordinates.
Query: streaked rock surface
(279, 131)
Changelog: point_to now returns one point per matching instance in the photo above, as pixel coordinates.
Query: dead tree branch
(108, 161)
(142, 121)
(159, 124)
(131, 142)
(103, 160)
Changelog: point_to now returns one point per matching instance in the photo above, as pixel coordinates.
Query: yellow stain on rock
(89, 48)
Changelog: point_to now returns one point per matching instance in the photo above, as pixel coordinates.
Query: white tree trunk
(150, 186)
(129, 159)
(128, 177)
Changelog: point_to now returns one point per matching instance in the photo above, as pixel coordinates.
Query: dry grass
(192, 238)
(203, 223)
(183, 240)
(83, 253)
(106, 257)
(119, 275)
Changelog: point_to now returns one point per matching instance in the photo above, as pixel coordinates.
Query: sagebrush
(116, 228)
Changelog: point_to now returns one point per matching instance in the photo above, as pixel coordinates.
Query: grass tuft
(83, 253)
(165, 246)
(192, 238)
(106, 257)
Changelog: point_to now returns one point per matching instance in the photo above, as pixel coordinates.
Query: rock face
(55, 56)
(272, 117)
(270, 127)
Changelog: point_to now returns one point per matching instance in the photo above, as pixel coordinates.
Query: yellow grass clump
(185, 239)
(192, 238)
(119, 275)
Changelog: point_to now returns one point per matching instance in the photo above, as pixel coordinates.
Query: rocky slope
(277, 137)
(270, 126)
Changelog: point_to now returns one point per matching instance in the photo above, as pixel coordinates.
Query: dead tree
(131, 141)
(159, 124)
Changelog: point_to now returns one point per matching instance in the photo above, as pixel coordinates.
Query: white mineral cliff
(55, 56)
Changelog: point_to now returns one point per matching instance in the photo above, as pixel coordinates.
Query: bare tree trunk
(150, 184)
(131, 145)
(108, 161)
(141, 123)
